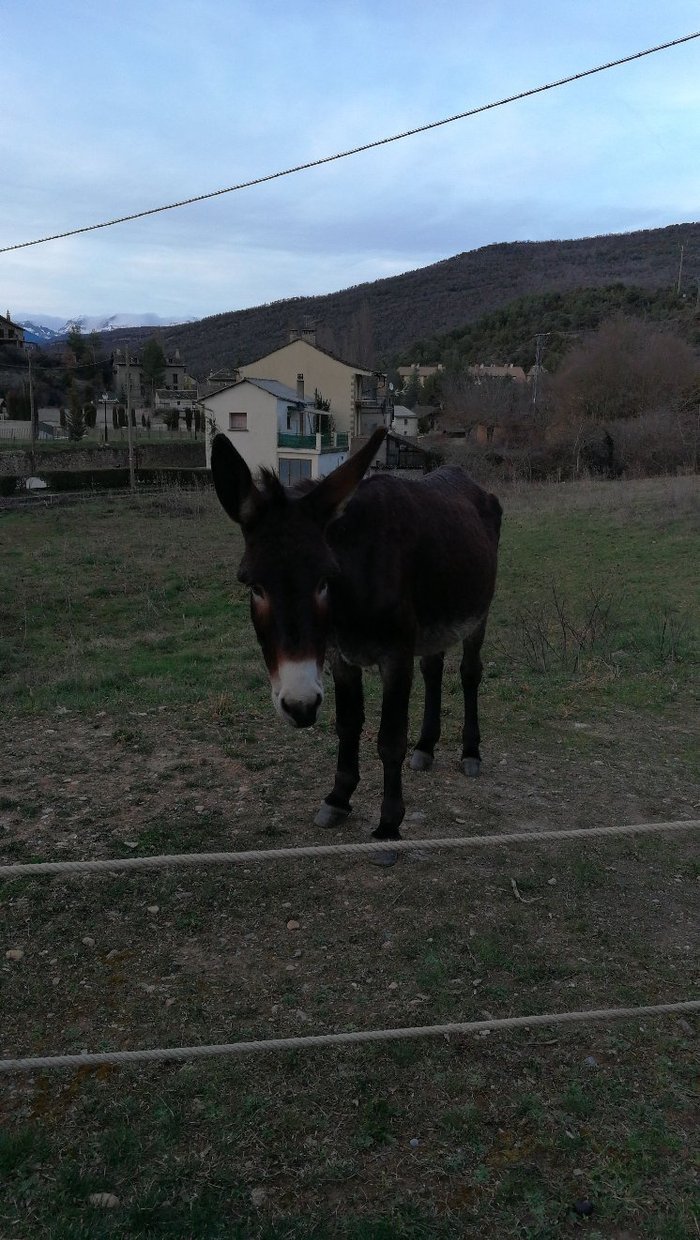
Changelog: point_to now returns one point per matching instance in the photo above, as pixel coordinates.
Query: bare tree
(489, 402)
(626, 368)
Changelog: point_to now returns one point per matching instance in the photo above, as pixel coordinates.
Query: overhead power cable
(355, 150)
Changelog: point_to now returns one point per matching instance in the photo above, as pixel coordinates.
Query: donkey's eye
(257, 591)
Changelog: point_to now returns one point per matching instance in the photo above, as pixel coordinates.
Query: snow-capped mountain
(46, 328)
(38, 333)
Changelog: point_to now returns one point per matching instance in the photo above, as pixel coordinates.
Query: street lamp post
(105, 398)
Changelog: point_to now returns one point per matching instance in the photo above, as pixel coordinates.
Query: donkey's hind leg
(470, 670)
(423, 755)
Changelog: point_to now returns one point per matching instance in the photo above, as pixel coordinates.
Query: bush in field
(658, 443)
(18, 406)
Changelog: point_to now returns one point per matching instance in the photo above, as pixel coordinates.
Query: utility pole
(33, 412)
(680, 272)
(132, 475)
(539, 349)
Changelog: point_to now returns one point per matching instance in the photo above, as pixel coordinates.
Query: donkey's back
(417, 560)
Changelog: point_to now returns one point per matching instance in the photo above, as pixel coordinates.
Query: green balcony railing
(328, 441)
(296, 441)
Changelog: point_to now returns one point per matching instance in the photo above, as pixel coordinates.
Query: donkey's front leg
(349, 718)
(396, 674)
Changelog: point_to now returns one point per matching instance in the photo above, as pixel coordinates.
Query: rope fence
(116, 864)
(181, 1053)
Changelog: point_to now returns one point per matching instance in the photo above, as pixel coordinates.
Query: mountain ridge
(51, 328)
(371, 323)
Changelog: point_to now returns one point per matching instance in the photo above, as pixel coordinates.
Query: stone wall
(22, 464)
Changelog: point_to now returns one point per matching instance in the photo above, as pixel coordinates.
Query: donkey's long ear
(233, 483)
(329, 498)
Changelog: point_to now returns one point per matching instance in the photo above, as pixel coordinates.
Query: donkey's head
(289, 568)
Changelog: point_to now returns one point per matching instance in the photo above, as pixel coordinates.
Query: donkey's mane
(272, 489)
(276, 494)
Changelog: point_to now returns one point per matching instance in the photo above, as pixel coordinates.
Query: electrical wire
(355, 150)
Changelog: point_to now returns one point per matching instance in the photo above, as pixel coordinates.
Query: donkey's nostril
(303, 714)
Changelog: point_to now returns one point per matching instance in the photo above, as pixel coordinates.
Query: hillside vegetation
(371, 323)
(563, 318)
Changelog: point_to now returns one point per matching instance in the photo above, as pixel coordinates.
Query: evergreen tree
(76, 342)
(153, 364)
(75, 418)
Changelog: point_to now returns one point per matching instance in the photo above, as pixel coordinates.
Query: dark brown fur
(410, 569)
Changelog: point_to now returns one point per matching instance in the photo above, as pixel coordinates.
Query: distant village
(298, 410)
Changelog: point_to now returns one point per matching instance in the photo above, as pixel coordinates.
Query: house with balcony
(11, 333)
(275, 426)
(357, 396)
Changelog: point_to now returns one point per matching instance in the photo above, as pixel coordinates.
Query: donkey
(366, 572)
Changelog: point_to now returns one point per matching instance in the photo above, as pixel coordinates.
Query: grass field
(136, 719)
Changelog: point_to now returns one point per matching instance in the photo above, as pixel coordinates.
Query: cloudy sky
(114, 107)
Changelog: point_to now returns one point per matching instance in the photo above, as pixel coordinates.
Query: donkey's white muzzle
(297, 692)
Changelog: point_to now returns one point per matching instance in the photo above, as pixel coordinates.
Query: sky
(116, 107)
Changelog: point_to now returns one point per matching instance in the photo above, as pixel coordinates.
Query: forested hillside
(561, 319)
(373, 323)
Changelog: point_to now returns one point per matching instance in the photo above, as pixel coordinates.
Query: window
(293, 471)
(174, 380)
(238, 421)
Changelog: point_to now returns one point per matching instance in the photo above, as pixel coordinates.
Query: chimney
(300, 387)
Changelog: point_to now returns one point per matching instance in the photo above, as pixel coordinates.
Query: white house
(405, 421)
(276, 427)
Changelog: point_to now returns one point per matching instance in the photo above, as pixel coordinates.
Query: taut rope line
(180, 1053)
(115, 864)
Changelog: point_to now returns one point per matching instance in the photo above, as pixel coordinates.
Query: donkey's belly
(438, 637)
(429, 640)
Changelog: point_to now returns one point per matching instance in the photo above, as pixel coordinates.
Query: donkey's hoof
(471, 767)
(388, 856)
(421, 761)
(330, 815)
